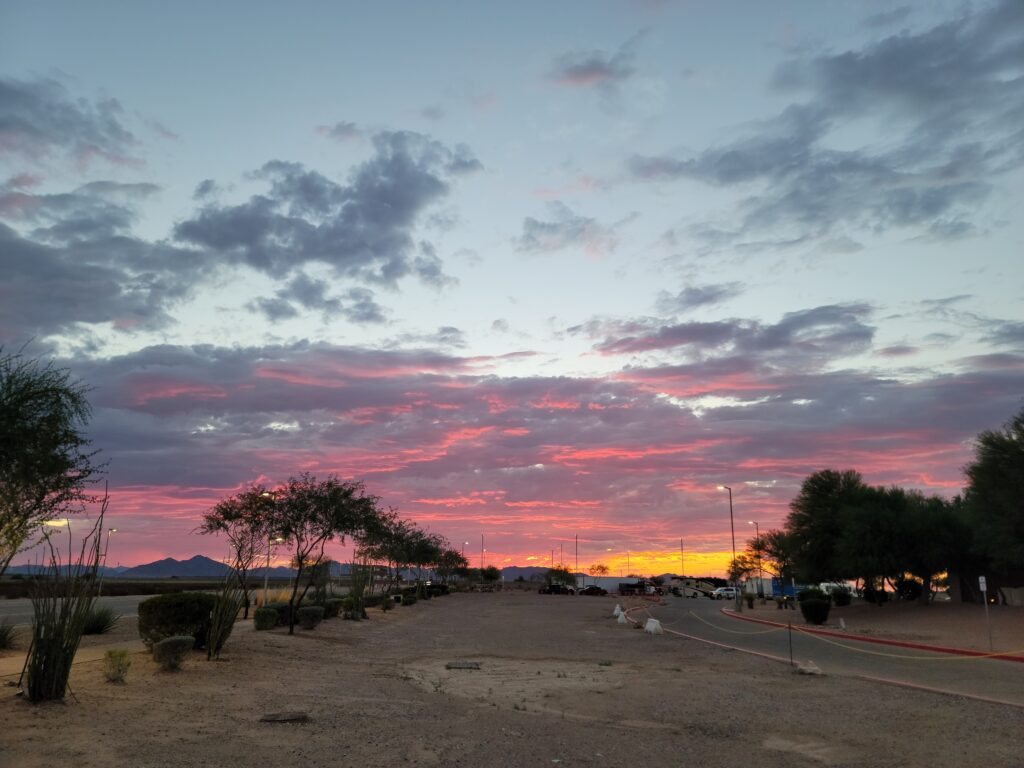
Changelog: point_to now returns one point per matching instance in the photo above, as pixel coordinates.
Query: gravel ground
(560, 683)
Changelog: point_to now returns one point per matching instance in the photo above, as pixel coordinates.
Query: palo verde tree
(45, 461)
(995, 494)
(308, 513)
(244, 519)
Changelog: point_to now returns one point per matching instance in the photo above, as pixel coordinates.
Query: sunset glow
(544, 277)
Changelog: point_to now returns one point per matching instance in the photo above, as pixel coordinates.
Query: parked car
(593, 589)
(724, 593)
(556, 589)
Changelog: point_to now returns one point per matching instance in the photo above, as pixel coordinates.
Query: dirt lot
(560, 683)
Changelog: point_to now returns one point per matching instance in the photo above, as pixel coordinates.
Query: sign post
(988, 621)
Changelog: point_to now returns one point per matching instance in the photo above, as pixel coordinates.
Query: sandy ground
(560, 683)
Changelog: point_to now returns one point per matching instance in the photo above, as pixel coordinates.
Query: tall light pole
(760, 574)
(732, 530)
(106, 548)
(482, 555)
(732, 527)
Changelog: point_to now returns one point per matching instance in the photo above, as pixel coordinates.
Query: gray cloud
(362, 229)
(70, 259)
(806, 337)
(39, 119)
(951, 118)
(595, 68)
(341, 131)
(695, 296)
(565, 229)
(355, 304)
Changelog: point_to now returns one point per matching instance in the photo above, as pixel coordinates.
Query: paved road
(986, 678)
(20, 611)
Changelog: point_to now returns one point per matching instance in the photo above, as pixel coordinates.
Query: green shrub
(283, 613)
(398, 598)
(811, 593)
(371, 601)
(6, 634)
(842, 596)
(815, 611)
(174, 615)
(265, 617)
(115, 665)
(909, 589)
(171, 651)
(332, 607)
(310, 615)
(409, 600)
(100, 620)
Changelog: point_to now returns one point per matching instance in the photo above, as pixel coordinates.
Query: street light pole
(732, 530)
(760, 573)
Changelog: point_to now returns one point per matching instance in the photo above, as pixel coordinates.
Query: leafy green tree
(774, 551)
(815, 522)
(244, 519)
(450, 563)
(995, 494)
(490, 574)
(937, 538)
(560, 576)
(45, 461)
(872, 544)
(308, 513)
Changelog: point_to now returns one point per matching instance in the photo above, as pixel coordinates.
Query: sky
(538, 273)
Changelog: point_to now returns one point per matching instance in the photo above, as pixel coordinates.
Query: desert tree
(245, 521)
(815, 522)
(995, 494)
(45, 462)
(560, 576)
(308, 513)
(773, 552)
(449, 563)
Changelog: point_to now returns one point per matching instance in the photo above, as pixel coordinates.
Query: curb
(881, 640)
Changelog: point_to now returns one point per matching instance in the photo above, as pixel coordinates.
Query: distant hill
(202, 567)
(198, 567)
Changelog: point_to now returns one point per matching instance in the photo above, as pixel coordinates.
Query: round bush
(815, 611)
(811, 593)
(841, 597)
(283, 612)
(409, 600)
(181, 613)
(171, 651)
(310, 615)
(332, 607)
(265, 617)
